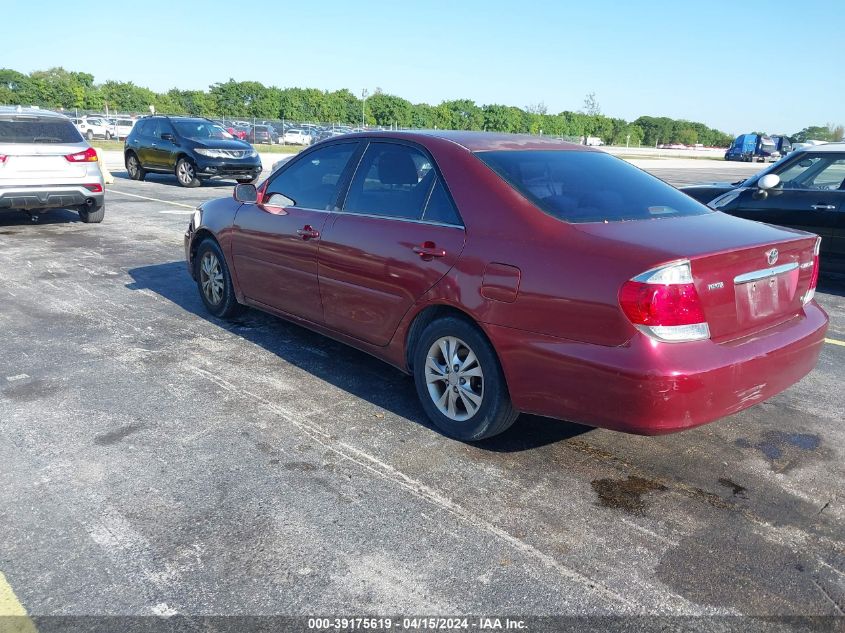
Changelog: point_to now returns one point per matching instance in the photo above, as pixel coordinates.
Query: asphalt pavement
(159, 461)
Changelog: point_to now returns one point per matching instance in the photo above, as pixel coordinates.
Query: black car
(192, 149)
(805, 190)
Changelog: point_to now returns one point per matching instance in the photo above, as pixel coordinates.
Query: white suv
(46, 164)
(94, 127)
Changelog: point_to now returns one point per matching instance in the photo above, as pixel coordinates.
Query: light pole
(364, 94)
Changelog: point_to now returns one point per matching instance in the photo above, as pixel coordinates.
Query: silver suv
(46, 164)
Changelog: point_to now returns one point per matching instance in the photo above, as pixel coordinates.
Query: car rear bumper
(50, 197)
(652, 388)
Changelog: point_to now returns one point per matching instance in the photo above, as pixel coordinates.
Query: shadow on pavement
(340, 365)
(167, 179)
(49, 216)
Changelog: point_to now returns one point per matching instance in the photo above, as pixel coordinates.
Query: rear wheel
(133, 167)
(186, 173)
(92, 217)
(108, 136)
(89, 135)
(214, 281)
(459, 381)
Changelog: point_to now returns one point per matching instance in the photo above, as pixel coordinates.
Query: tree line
(59, 88)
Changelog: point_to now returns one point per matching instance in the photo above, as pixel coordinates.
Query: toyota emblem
(772, 256)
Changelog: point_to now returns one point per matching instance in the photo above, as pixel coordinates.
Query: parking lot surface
(157, 461)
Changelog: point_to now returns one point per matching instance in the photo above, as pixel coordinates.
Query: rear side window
(580, 186)
(440, 207)
(392, 180)
(38, 130)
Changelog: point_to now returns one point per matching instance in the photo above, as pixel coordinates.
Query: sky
(738, 66)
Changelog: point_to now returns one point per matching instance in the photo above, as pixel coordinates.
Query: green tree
(390, 110)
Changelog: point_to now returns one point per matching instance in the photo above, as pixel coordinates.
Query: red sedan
(514, 274)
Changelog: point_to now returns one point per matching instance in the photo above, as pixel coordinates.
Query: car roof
(484, 141)
(13, 110)
(824, 147)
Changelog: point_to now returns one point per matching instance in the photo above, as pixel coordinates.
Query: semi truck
(752, 148)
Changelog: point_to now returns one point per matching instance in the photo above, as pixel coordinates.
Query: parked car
(93, 127)
(296, 136)
(753, 148)
(193, 149)
(805, 190)
(121, 127)
(262, 134)
(519, 274)
(46, 164)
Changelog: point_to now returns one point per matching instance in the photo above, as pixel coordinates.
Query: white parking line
(135, 195)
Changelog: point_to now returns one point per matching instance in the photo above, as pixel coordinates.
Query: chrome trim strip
(756, 275)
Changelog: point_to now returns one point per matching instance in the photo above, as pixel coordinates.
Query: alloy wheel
(185, 172)
(454, 377)
(132, 166)
(211, 278)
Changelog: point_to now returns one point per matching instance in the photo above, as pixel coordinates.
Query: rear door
(810, 197)
(275, 242)
(397, 235)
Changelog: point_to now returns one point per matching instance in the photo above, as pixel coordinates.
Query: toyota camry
(516, 274)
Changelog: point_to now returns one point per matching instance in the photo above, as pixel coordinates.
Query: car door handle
(823, 207)
(428, 250)
(307, 233)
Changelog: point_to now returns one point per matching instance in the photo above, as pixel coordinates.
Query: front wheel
(459, 381)
(214, 281)
(186, 173)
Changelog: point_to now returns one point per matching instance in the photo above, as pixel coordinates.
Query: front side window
(392, 180)
(311, 182)
(38, 130)
(818, 172)
(582, 186)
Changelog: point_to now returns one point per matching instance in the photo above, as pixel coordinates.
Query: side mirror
(247, 194)
(769, 181)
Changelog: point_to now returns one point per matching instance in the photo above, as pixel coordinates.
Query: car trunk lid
(749, 276)
(30, 162)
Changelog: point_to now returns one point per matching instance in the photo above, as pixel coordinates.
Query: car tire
(214, 281)
(469, 404)
(89, 135)
(108, 136)
(92, 217)
(133, 167)
(186, 173)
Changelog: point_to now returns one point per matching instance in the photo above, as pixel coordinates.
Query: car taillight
(94, 187)
(88, 156)
(664, 304)
(3, 158)
(814, 279)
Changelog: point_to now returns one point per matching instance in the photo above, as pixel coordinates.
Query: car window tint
(311, 181)
(582, 186)
(440, 207)
(38, 130)
(392, 180)
(813, 172)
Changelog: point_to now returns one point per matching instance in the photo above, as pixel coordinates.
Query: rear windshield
(38, 130)
(589, 186)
